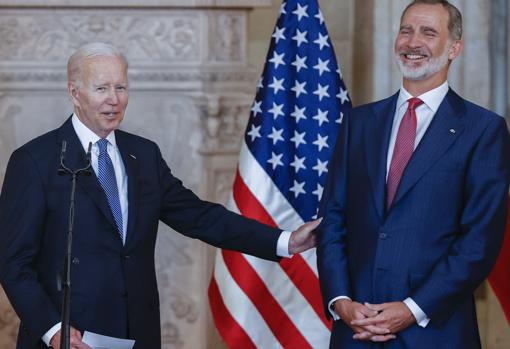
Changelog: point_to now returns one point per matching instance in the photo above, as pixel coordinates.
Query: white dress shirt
(85, 135)
(424, 115)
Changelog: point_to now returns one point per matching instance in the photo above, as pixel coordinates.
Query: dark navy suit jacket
(440, 238)
(114, 289)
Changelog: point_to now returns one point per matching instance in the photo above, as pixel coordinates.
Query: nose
(414, 40)
(113, 98)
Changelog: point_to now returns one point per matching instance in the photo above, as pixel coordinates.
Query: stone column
(190, 91)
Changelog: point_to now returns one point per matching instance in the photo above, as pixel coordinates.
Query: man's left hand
(394, 316)
(304, 237)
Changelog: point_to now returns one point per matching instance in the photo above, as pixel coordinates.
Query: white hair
(88, 51)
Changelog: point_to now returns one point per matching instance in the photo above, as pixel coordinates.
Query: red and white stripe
(261, 304)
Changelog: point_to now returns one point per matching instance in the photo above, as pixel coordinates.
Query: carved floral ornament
(54, 36)
(138, 3)
(223, 122)
(144, 36)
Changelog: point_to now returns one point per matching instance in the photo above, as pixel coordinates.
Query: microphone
(88, 157)
(65, 278)
(62, 170)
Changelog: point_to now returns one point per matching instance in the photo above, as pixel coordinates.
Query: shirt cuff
(51, 332)
(282, 246)
(421, 318)
(331, 307)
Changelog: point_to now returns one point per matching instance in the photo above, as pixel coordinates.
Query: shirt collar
(86, 135)
(431, 99)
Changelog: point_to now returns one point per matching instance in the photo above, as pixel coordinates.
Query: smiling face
(100, 97)
(423, 47)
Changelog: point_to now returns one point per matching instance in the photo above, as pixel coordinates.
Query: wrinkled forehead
(426, 15)
(105, 67)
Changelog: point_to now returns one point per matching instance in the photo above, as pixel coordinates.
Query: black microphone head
(63, 150)
(89, 149)
(88, 157)
(62, 169)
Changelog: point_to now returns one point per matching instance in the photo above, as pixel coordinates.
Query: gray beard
(430, 68)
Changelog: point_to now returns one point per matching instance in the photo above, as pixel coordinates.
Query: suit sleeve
(22, 215)
(332, 246)
(212, 223)
(471, 258)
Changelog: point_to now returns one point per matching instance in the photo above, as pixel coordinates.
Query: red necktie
(404, 147)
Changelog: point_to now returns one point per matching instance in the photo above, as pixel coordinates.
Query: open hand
(304, 237)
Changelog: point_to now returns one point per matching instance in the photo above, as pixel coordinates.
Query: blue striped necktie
(106, 175)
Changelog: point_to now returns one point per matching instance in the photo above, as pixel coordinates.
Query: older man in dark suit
(117, 212)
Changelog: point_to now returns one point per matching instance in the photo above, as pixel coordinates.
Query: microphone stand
(64, 281)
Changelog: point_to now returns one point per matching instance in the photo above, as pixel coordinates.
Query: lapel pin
(134, 157)
(452, 131)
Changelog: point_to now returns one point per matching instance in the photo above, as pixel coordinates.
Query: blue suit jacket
(440, 238)
(114, 289)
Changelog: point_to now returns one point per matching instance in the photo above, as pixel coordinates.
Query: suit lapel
(377, 131)
(445, 128)
(75, 158)
(130, 161)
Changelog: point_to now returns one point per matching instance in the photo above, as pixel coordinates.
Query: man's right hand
(76, 342)
(349, 310)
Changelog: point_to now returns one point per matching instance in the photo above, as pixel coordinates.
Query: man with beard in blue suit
(415, 205)
(117, 211)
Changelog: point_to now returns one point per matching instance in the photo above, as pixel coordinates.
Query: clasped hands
(374, 322)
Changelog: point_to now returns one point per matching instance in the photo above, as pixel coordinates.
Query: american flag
(289, 140)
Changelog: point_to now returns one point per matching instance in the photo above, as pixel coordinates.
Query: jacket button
(126, 256)
(383, 236)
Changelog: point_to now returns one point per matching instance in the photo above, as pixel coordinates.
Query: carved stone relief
(175, 256)
(224, 122)
(46, 36)
(138, 3)
(223, 180)
(227, 37)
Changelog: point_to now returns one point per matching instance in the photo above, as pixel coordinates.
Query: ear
(73, 91)
(455, 49)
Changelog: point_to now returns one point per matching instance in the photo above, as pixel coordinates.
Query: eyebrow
(429, 29)
(422, 29)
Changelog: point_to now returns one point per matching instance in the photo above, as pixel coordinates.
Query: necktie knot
(102, 144)
(414, 103)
